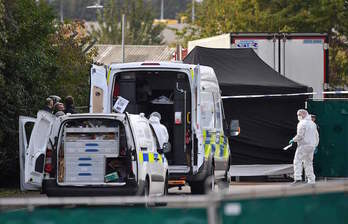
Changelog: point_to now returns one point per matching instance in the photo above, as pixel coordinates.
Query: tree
(38, 57)
(140, 24)
(25, 59)
(216, 17)
(2, 40)
(70, 72)
(139, 28)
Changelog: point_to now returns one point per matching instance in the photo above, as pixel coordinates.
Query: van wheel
(227, 176)
(210, 181)
(197, 187)
(146, 190)
(204, 186)
(165, 192)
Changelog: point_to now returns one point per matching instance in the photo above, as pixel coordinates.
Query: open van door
(36, 152)
(25, 129)
(196, 119)
(99, 95)
(197, 92)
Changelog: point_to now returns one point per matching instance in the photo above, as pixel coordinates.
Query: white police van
(189, 101)
(91, 154)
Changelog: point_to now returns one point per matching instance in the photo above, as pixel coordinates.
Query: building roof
(108, 54)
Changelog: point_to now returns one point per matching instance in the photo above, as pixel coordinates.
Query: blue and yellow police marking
(150, 157)
(192, 73)
(217, 146)
(141, 158)
(108, 76)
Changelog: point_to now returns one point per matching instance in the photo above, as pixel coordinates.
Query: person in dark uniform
(69, 105)
(314, 118)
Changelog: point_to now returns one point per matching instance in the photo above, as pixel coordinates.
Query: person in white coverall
(307, 139)
(160, 130)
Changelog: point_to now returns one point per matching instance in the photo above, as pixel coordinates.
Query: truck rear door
(99, 95)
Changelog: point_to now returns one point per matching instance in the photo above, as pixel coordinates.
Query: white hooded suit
(307, 139)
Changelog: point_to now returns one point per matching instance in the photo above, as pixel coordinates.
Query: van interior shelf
(162, 100)
(86, 130)
(164, 103)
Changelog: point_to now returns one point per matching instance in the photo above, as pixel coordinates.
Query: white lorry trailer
(302, 57)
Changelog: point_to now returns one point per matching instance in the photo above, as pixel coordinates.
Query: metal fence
(325, 202)
(331, 160)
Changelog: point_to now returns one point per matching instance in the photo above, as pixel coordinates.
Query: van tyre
(146, 190)
(165, 192)
(204, 186)
(210, 182)
(197, 187)
(227, 176)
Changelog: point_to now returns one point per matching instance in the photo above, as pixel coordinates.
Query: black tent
(268, 123)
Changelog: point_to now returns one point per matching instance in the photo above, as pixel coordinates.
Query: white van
(189, 101)
(91, 154)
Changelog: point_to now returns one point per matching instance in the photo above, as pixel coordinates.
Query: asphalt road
(233, 187)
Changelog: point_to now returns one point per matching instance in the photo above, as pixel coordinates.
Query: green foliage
(38, 57)
(186, 34)
(139, 20)
(140, 24)
(221, 16)
(216, 17)
(24, 59)
(71, 64)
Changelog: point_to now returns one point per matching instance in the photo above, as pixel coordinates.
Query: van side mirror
(167, 147)
(234, 128)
